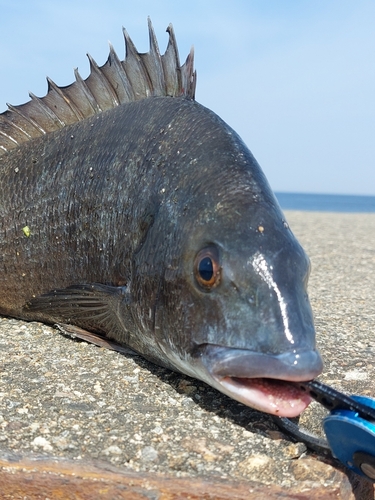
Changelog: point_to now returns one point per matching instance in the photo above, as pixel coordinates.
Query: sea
(326, 202)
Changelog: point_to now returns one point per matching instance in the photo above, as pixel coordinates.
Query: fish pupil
(206, 269)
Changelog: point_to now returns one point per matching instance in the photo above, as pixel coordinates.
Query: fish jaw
(268, 395)
(264, 382)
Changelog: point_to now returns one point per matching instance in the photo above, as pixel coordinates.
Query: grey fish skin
(153, 225)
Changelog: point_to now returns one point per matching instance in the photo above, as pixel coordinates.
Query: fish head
(252, 323)
(258, 325)
(241, 316)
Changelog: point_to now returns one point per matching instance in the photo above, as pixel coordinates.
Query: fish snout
(262, 381)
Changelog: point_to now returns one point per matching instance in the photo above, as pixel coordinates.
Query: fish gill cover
(139, 76)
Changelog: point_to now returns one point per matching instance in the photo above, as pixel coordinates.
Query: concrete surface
(70, 400)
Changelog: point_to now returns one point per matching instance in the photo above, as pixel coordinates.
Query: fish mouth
(262, 381)
(277, 397)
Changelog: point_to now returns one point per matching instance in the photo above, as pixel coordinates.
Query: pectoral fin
(92, 307)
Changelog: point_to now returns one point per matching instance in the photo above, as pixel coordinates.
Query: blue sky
(295, 78)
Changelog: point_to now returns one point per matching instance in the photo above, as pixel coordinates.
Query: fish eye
(207, 268)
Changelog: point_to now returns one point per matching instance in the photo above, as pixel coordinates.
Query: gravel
(66, 398)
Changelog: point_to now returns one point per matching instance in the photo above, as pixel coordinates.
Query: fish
(133, 216)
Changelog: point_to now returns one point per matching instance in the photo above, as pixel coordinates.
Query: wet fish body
(151, 223)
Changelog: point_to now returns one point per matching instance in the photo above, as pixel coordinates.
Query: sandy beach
(71, 400)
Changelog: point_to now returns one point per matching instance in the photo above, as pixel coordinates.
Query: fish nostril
(249, 298)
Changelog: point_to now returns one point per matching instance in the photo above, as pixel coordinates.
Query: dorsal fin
(139, 76)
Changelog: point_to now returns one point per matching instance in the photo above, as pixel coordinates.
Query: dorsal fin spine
(171, 64)
(87, 92)
(135, 69)
(139, 76)
(48, 113)
(154, 66)
(60, 91)
(124, 91)
(16, 127)
(105, 93)
(9, 137)
(17, 110)
(188, 75)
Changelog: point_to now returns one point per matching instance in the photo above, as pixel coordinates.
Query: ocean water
(326, 202)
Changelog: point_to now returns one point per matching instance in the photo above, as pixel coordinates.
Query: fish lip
(262, 381)
(298, 365)
(274, 396)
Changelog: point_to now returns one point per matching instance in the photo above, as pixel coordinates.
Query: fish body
(151, 223)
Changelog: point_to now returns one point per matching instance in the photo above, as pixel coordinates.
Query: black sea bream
(132, 212)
